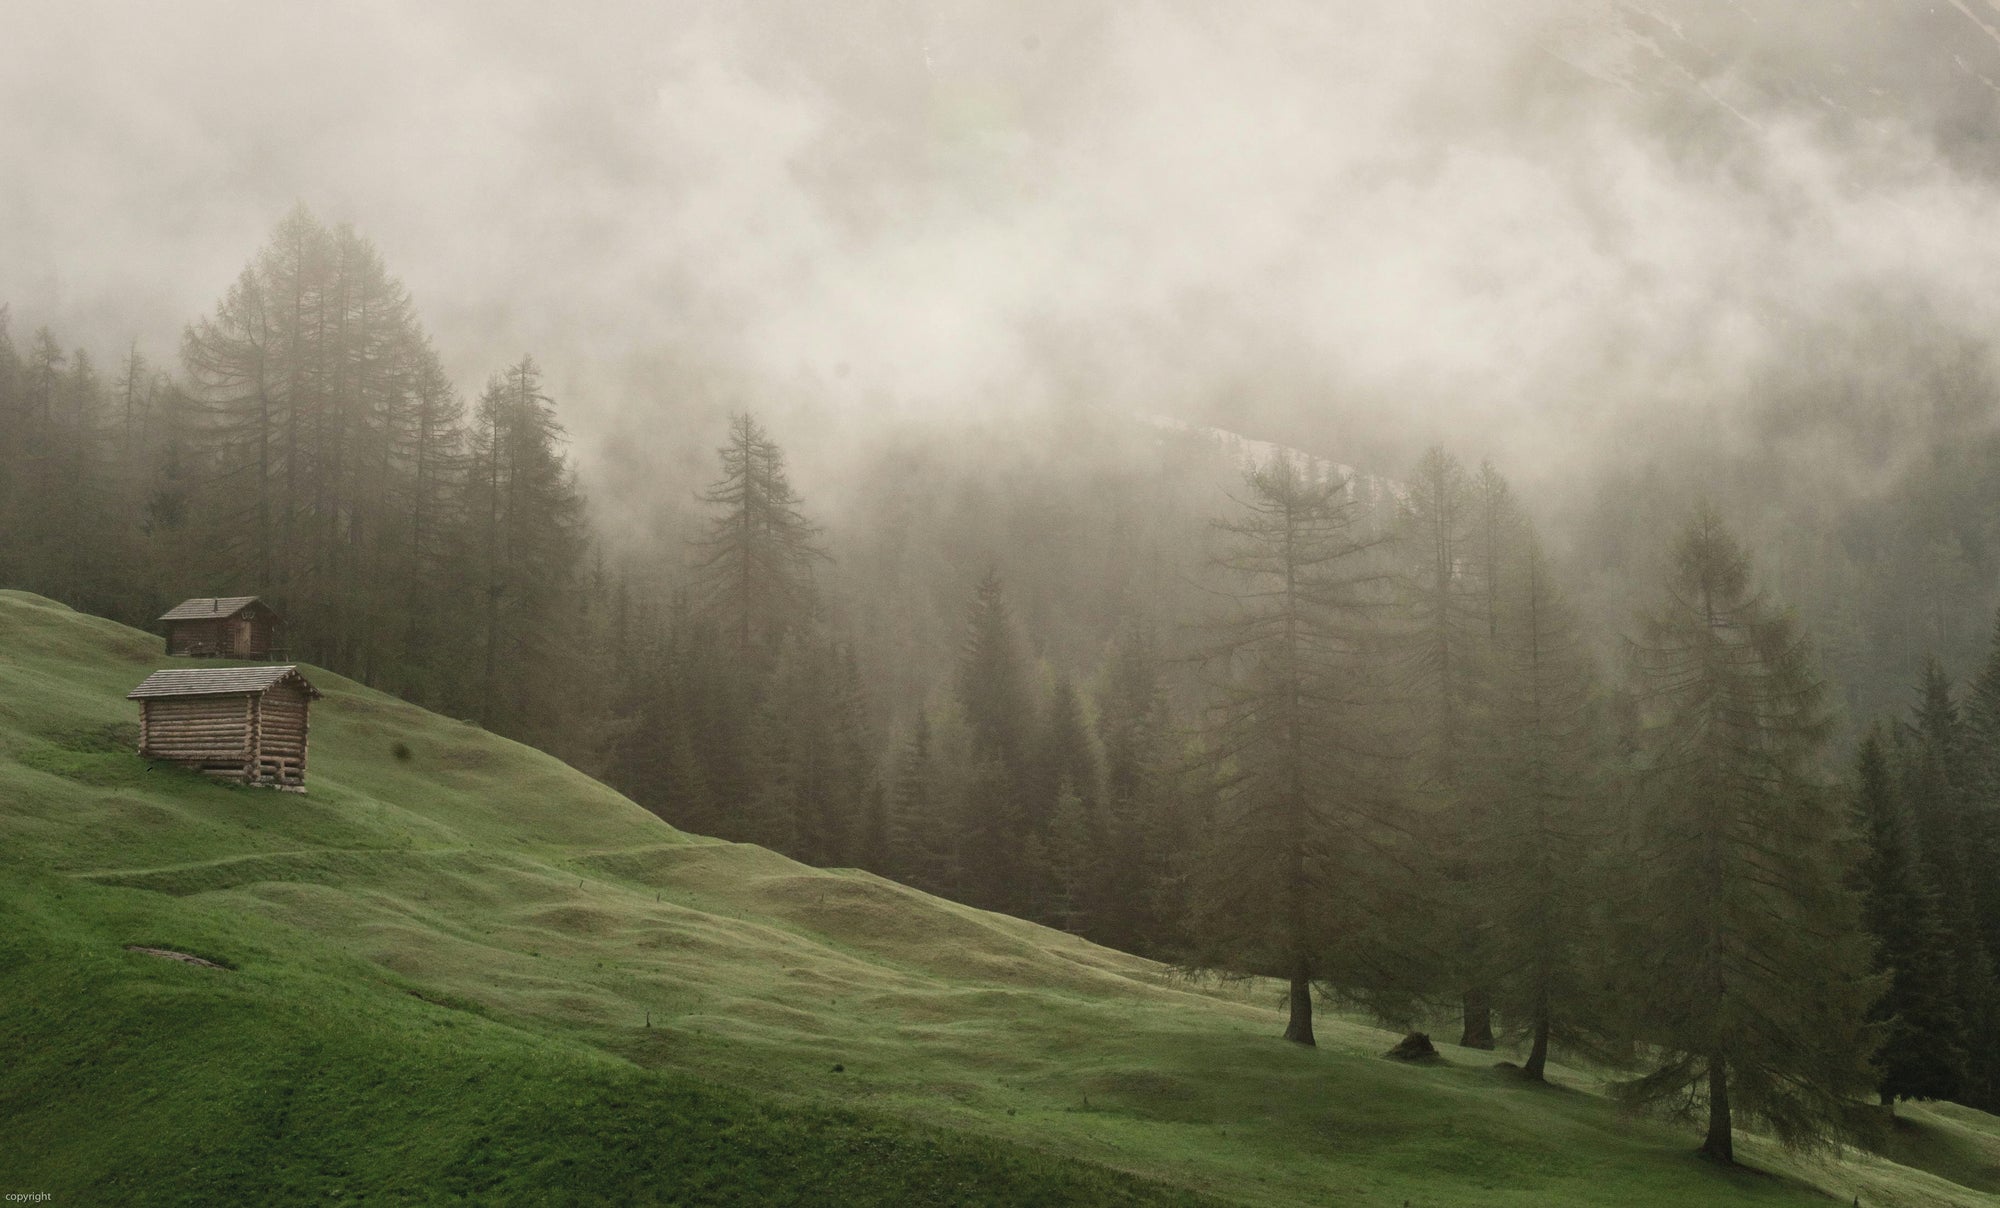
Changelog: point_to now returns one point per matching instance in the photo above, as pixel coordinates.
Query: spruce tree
(1065, 766)
(813, 759)
(919, 832)
(1075, 854)
(1748, 971)
(1982, 800)
(1922, 1054)
(526, 516)
(1937, 765)
(1137, 896)
(1000, 720)
(13, 422)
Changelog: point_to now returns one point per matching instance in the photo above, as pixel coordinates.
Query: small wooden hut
(243, 723)
(230, 627)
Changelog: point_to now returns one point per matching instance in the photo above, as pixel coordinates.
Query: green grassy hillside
(456, 969)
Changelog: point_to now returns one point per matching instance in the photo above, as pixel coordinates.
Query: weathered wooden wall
(195, 637)
(212, 733)
(250, 637)
(282, 722)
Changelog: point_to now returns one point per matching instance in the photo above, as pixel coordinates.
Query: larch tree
(430, 493)
(326, 417)
(1745, 862)
(1304, 809)
(1446, 651)
(1546, 825)
(754, 567)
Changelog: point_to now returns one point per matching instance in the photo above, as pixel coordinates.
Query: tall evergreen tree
(1144, 836)
(919, 831)
(13, 425)
(1922, 1055)
(754, 573)
(1546, 825)
(1981, 822)
(1447, 650)
(1745, 864)
(1305, 811)
(1938, 769)
(526, 516)
(1000, 720)
(1064, 769)
(326, 422)
(815, 749)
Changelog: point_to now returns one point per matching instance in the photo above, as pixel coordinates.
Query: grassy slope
(445, 966)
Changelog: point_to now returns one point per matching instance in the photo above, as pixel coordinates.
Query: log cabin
(240, 723)
(231, 627)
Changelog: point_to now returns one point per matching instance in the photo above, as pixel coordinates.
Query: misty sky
(1540, 227)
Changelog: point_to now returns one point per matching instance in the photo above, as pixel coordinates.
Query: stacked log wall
(212, 733)
(282, 729)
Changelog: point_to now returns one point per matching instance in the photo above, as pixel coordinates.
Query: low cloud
(1546, 230)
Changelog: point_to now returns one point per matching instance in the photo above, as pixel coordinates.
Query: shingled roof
(207, 608)
(217, 681)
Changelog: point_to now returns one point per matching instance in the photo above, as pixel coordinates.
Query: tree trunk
(1300, 1028)
(1477, 1032)
(1720, 1145)
(1538, 1054)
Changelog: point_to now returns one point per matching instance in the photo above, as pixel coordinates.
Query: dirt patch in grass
(168, 954)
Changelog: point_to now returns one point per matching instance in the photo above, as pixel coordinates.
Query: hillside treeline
(1361, 743)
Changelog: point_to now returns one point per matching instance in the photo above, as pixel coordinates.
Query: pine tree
(1750, 973)
(1922, 1055)
(1304, 814)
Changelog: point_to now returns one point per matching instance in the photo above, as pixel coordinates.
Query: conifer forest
(1480, 526)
